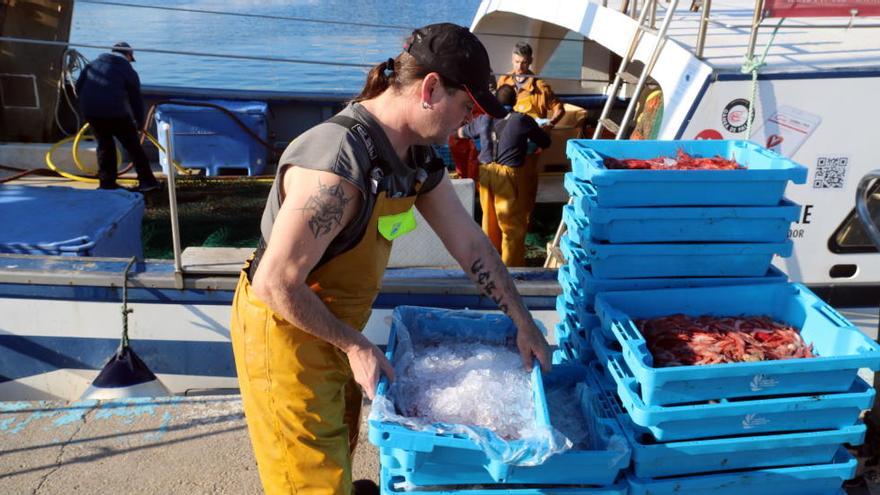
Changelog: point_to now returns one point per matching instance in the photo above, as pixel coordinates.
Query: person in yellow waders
(507, 195)
(344, 191)
(535, 98)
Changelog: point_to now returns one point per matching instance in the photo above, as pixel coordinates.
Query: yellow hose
(178, 166)
(75, 151)
(76, 158)
(68, 175)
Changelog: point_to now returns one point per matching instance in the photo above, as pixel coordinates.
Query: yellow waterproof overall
(507, 197)
(301, 402)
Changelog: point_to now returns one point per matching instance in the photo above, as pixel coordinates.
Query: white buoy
(125, 374)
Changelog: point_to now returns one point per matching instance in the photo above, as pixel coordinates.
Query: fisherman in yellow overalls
(534, 97)
(344, 191)
(507, 198)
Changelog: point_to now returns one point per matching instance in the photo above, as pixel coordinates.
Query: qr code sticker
(830, 172)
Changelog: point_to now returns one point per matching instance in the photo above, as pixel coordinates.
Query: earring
(426, 105)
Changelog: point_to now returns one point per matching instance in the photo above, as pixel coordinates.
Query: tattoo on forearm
(484, 280)
(326, 208)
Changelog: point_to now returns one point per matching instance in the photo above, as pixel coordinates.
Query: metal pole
(756, 22)
(172, 207)
(704, 24)
(653, 14)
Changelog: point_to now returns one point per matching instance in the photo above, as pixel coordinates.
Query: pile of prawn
(681, 340)
(682, 161)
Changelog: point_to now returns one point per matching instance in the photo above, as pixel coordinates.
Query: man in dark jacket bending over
(109, 92)
(507, 188)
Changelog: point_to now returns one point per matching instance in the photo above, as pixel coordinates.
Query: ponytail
(396, 73)
(378, 80)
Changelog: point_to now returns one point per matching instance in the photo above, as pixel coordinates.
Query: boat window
(850, 236)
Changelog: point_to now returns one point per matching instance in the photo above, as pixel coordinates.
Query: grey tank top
(330, 147)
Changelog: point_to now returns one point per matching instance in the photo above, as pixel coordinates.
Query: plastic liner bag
(414, 329)
(579, 411)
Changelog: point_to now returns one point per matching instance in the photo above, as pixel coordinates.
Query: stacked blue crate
(423, 460)
(701, 243)
(633, 229)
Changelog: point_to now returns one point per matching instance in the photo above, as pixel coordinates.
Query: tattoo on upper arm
(326, 208)
(484, 280)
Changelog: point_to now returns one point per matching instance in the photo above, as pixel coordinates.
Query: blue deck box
(763, 181)
(70, 222)
(210, 139)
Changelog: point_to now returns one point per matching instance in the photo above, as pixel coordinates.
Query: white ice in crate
(469, 383)
(567, 416)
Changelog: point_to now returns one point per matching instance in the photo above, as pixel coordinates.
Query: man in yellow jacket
(534, 97)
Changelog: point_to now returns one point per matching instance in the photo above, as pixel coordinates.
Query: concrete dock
(190, 445)
(169, 445)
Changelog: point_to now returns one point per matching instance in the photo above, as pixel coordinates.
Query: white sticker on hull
(786, 130)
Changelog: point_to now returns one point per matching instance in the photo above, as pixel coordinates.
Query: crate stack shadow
(647, 243)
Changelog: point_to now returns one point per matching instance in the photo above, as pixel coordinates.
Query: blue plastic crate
(730, 417)
(821, 479)
(562, 356)
(571, 301)
(446, 465)
(573, 226)
(652, 459)
(761, 183)
(683, 260)
(569, 351)
(841, 347)
(393, 483)
(63, 221)
(572, 251)
(574, 337)
(591, 285)
(207, 138)
(674, 223)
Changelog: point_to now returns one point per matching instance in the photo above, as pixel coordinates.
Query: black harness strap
(378, 169)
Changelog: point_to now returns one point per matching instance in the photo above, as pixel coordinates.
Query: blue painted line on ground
(75, 412)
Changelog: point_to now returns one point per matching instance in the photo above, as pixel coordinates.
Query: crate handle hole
(843, 271)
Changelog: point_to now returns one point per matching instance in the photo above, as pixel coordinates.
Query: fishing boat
(812, 101)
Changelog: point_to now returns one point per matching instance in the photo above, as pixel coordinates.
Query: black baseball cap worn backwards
(456, 54)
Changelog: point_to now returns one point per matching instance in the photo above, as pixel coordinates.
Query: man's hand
(367, 364)
(532, 344)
